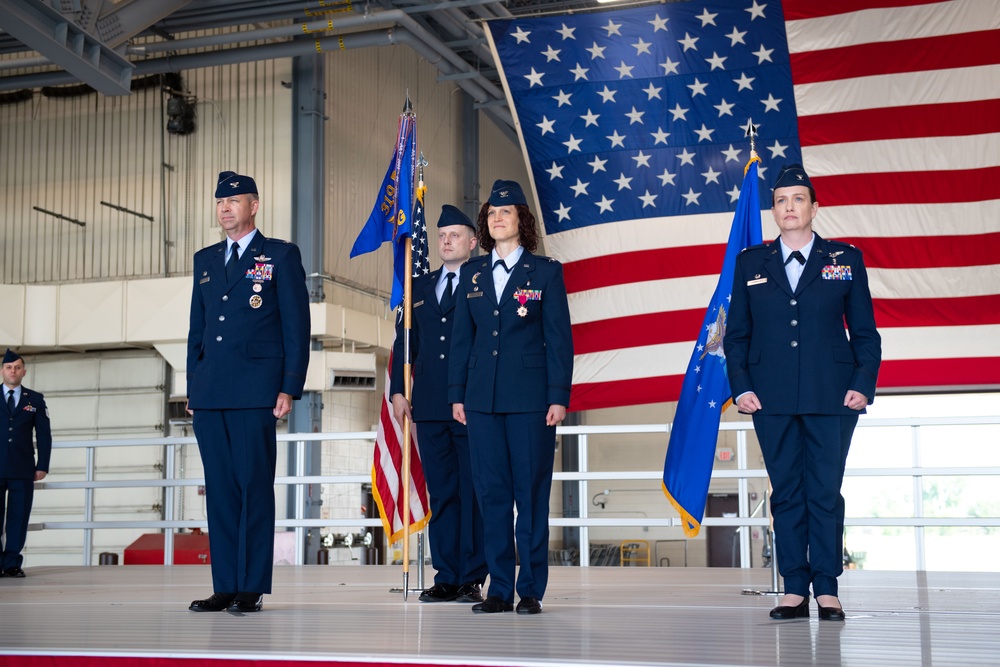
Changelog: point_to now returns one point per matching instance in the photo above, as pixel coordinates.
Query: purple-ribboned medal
(523, 296)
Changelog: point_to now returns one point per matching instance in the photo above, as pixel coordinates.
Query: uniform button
(793, 302)
(495, 313)
(440, 356)
(494, 353)
(225, 297)
(218, 338)
(442, 337)
(444, 319)
(794, 323)
(222, 318)
(795, 343)
(496, 333)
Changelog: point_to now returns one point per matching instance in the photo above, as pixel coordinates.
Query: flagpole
(407, 382)
(751, 131)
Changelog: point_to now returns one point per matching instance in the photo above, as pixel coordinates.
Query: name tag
(756, 281)
(418, 304)
(473, 295)
(203, 281)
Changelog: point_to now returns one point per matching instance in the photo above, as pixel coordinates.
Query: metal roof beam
(67, 45)
(129, 19)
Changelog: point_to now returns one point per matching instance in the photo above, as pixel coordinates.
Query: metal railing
(744, 521)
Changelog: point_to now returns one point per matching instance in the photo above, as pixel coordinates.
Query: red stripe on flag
(643, 265)
(677, 326)
(970, 49)
(914, 252)
(811, 9)
(956, 374)
(596, 395)
(956, 311)
(922, 120)
(389, 496)
(672, 326)
(888, 252)
(913, 187)
(971, 373)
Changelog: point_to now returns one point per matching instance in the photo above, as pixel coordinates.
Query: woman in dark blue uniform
(509, 381)
(805, 378)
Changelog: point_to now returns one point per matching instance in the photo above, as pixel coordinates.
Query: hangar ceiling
(109, 44)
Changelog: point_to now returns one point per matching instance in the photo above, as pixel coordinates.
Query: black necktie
(10, 400)
(448, 296)
(234, 257)
(500, 262)
(795, 255)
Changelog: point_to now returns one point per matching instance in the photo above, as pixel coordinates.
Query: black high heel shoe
(787, 613)
(830, 613)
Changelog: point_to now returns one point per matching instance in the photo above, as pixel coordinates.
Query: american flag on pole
(387, 485)
(632, 125)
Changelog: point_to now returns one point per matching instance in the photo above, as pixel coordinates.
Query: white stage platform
(593, 616)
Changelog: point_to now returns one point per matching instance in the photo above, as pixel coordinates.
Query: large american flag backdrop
(632, 123)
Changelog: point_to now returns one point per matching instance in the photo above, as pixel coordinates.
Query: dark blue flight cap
(792, 175)
(507, 193)
(451, 215)
(231, 183)
(11, 356)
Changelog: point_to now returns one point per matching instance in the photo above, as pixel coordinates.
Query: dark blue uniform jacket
(430, 350)
(502, 361)
(801, 351)
(17, 456)
(246, 346)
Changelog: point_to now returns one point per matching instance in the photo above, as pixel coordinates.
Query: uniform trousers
(239, 452)
(456, 525)
(513, 455)
(15, 508)
(805, 456)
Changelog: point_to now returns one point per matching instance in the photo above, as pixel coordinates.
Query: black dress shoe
(218, 602)
(440, 593)
(15, 572)
(247, 603)
(786, 613)
(529, 606)
(492, 605)
(831, 613)
(470, 592)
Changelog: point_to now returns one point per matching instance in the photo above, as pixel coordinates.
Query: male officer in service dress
(805, 377)
(456, 525)
(26, 413)
(248, 349)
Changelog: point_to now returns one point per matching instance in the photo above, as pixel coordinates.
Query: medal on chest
(523, 296)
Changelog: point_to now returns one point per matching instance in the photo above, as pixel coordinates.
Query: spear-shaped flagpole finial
(751, 131)
(421, 163)
(407, 107)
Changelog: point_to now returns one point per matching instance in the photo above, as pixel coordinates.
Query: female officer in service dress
(805, 378)
(509, 382)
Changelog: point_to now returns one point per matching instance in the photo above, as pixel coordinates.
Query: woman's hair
(527, 230)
